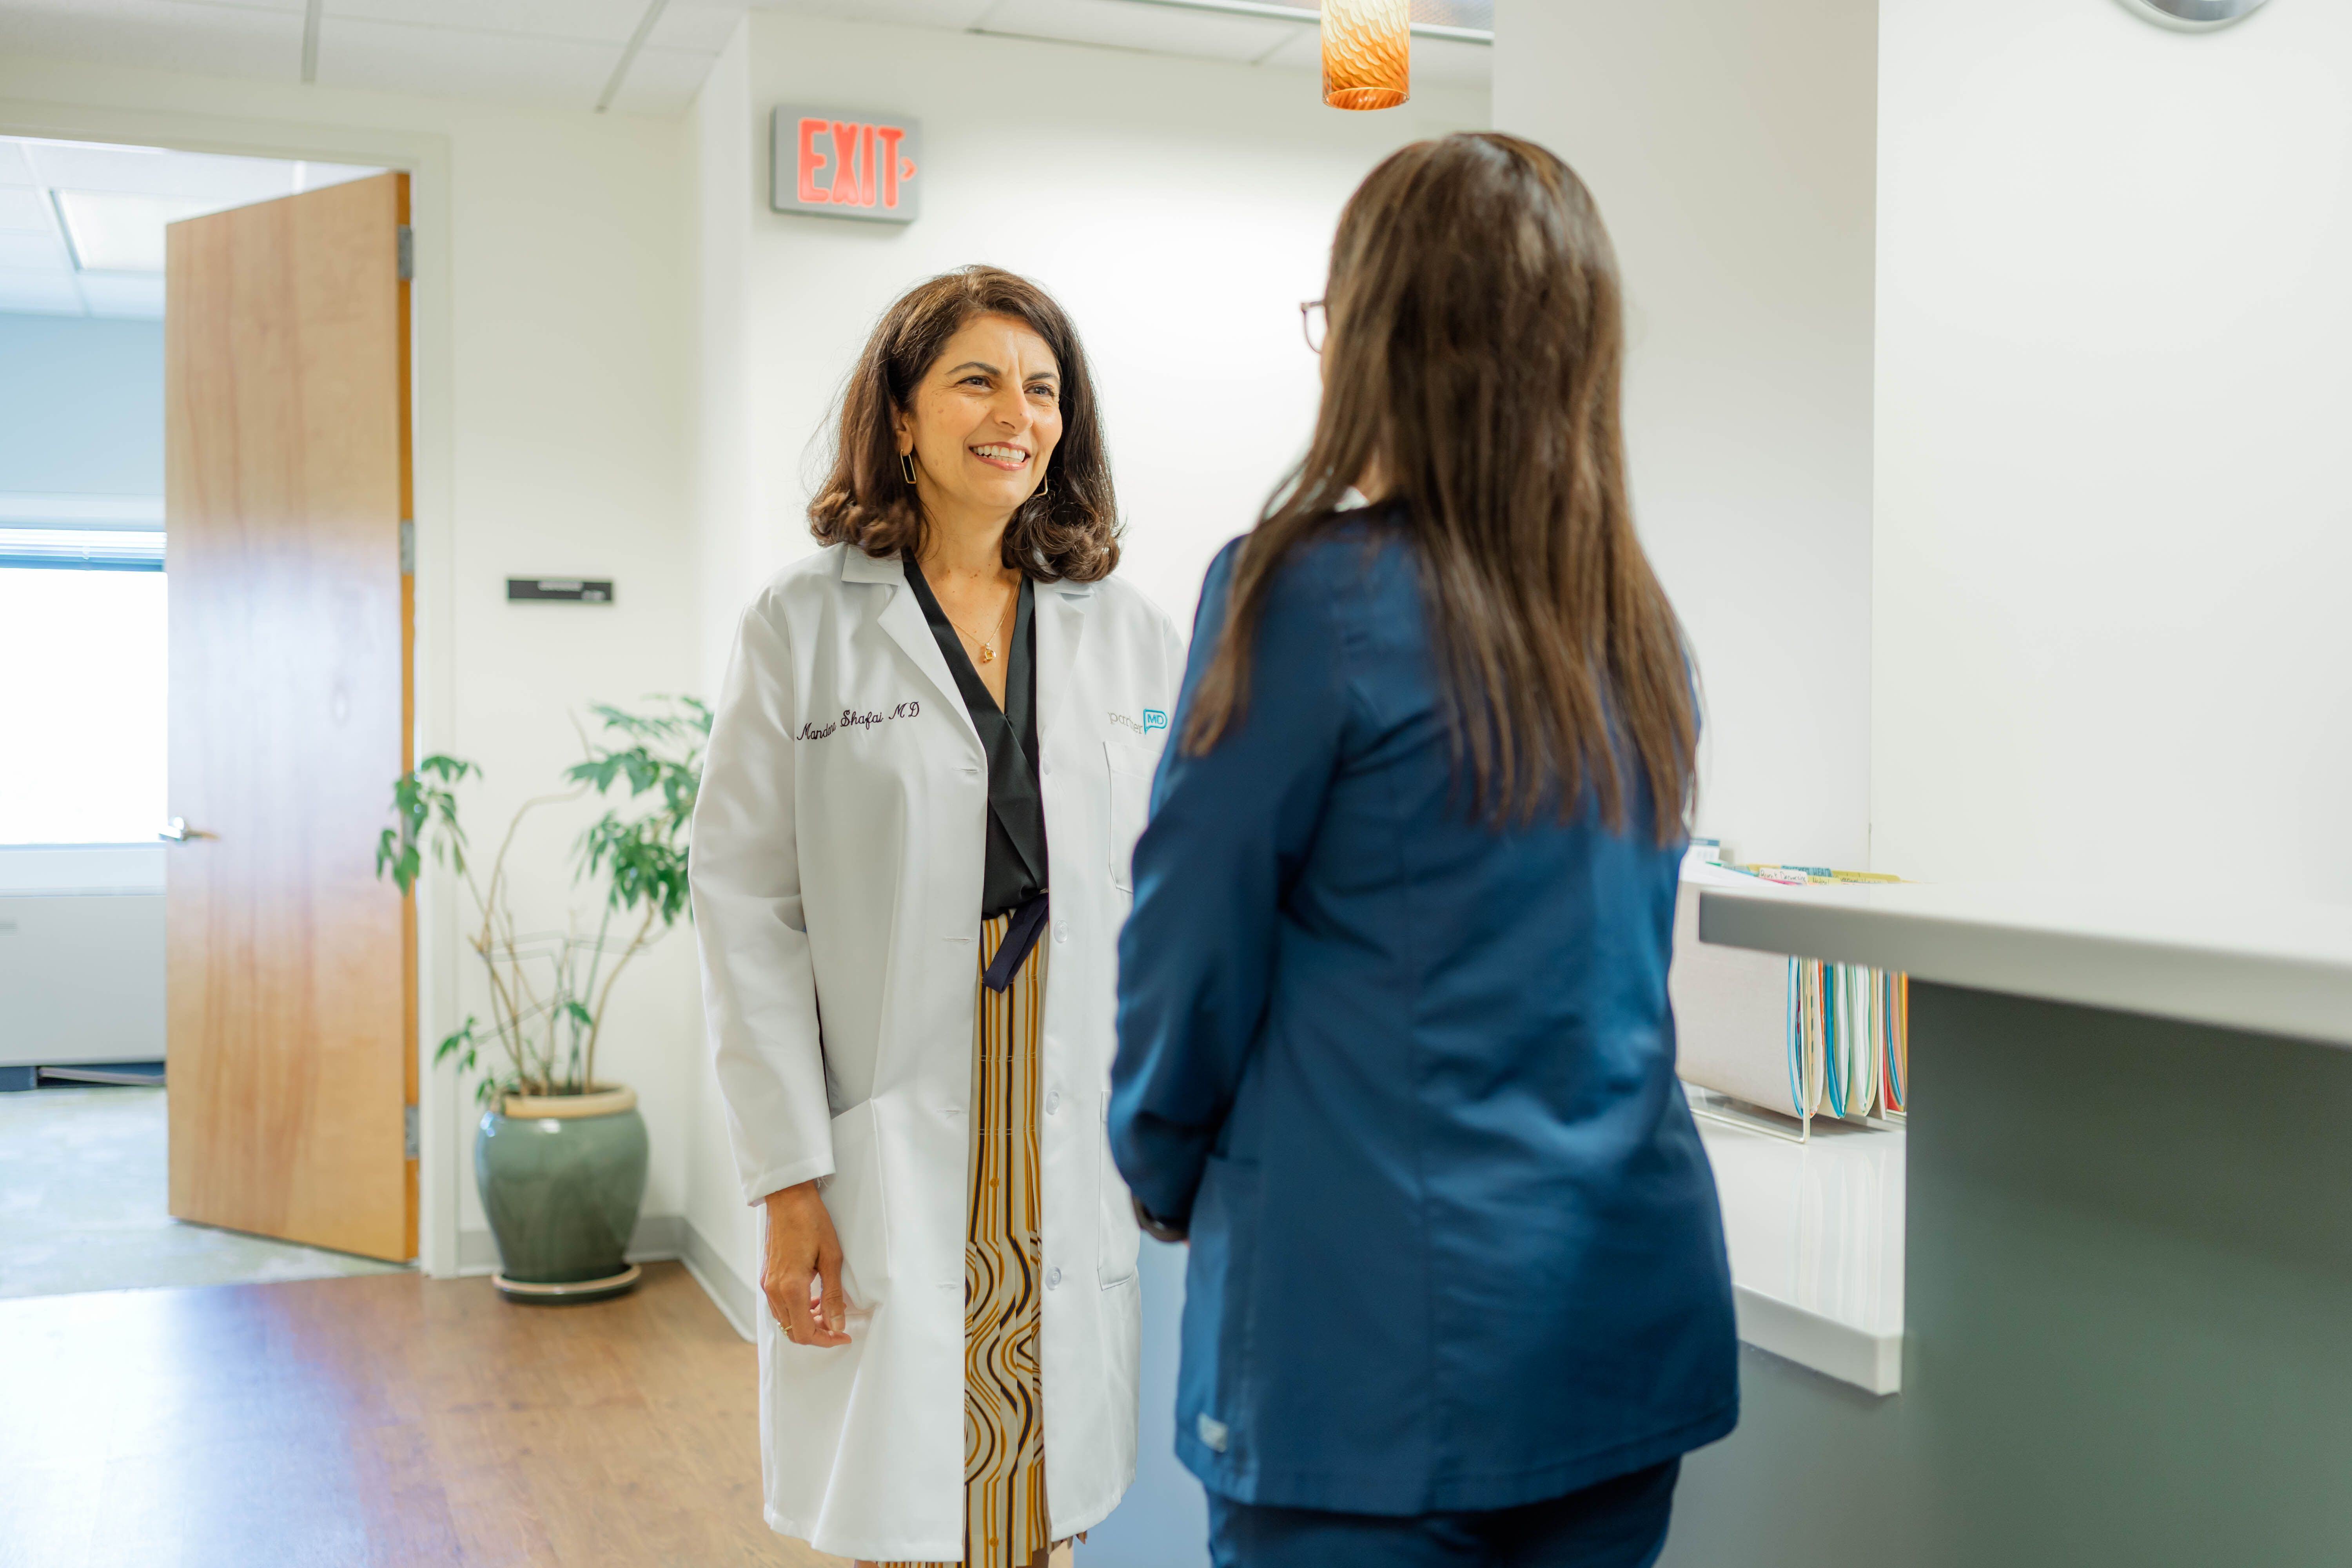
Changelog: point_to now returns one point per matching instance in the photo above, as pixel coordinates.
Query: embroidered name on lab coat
(859, 719)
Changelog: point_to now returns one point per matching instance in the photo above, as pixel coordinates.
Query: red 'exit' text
(863, 164)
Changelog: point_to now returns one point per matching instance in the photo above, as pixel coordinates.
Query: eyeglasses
(1315, 321)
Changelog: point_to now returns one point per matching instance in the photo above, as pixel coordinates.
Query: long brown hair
(1069, 529)
(1477, 345)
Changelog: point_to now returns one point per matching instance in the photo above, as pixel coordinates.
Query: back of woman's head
(1472, 368)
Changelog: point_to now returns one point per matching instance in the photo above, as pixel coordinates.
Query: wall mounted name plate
(2194, 16)
(563, 590)
(846, 163)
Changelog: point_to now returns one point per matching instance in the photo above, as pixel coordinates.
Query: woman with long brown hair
(1395, 1041)
(910, 864)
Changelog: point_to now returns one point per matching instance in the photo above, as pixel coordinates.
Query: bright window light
(82, 716)
(113, 232)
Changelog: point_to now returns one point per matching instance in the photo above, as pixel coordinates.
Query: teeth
(1003, 454)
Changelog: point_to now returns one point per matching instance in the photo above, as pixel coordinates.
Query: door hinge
(408, 547)
(408, 1132)
(407, 251)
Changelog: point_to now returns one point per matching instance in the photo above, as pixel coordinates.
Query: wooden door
(291, 968)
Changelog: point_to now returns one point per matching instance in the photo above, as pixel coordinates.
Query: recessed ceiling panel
(114, 232)
(151, 172)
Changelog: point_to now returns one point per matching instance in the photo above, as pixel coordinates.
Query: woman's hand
(804, 1254)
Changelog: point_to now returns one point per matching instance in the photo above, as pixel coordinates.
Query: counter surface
(1815, 1232)
(2274, 969)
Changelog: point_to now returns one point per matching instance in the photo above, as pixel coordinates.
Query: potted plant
(560, 1157)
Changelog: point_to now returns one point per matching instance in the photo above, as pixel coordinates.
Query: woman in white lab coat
(929, 770)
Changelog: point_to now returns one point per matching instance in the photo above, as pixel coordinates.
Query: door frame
(425, 156)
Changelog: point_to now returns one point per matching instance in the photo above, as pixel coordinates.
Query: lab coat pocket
(854, 1197)
(1120, 1238)
(1131, 767)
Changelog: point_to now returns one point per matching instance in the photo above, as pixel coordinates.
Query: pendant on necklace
(987, 652)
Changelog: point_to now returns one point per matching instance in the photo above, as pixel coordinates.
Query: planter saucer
(570, 1291)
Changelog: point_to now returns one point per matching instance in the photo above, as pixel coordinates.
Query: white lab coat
(838, 849)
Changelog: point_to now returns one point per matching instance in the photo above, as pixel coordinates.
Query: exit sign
(839, 163)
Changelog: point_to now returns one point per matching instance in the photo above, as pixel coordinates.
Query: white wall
(552, 331)
(2112, 512)
(1181, 209)
(1729, 145)
(82, 406)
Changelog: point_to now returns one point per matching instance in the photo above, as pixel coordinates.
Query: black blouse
(1016, 811)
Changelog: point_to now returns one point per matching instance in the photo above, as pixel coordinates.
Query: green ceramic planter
(562, 1179)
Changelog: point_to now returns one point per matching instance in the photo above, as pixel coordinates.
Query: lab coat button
(1061, 930)
(1053, 1102)
(1053, 1279)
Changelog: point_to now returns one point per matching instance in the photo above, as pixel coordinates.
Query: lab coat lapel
(901, 616)
(1061, 627)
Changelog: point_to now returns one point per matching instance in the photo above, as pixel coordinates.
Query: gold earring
(1045, 486)
(906, 466)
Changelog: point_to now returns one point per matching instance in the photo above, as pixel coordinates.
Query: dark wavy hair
(1477, 345)
(1071, 531)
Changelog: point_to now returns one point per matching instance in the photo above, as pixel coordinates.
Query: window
(82, 667)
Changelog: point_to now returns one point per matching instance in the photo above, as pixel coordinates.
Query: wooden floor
(392, 1420)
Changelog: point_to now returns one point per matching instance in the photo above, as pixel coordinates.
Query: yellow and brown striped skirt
(1005, 1522)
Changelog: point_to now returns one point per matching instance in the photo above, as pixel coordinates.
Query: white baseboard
(658, 1237)
(728, 1291)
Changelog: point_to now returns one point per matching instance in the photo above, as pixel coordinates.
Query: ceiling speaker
(2194, 16)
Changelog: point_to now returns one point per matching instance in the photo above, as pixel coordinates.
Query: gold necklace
(987, 647)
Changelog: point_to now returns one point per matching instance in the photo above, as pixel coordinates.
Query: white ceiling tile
(662, 81)
(594, 21)
(23, 208)
(138, 295)
(32, 252)
(165, 35)
(397, 59)
(310, 177)
(46, 293)
(204, 177)
(703, 24)
(956, 15)
(1162, 29)
(13, 170)
(113, 232)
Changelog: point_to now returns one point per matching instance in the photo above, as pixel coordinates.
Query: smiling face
(984, 422)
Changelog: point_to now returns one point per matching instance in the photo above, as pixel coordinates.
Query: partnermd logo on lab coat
(1153, 719)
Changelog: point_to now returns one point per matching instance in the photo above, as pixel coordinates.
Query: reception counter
(2123, 1326)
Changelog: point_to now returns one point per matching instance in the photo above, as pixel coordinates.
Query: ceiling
(81, 224)
(647, 57)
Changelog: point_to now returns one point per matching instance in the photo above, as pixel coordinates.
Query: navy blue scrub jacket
(1410, 1080)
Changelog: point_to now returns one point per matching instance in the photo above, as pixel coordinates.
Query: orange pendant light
(1367, 53)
